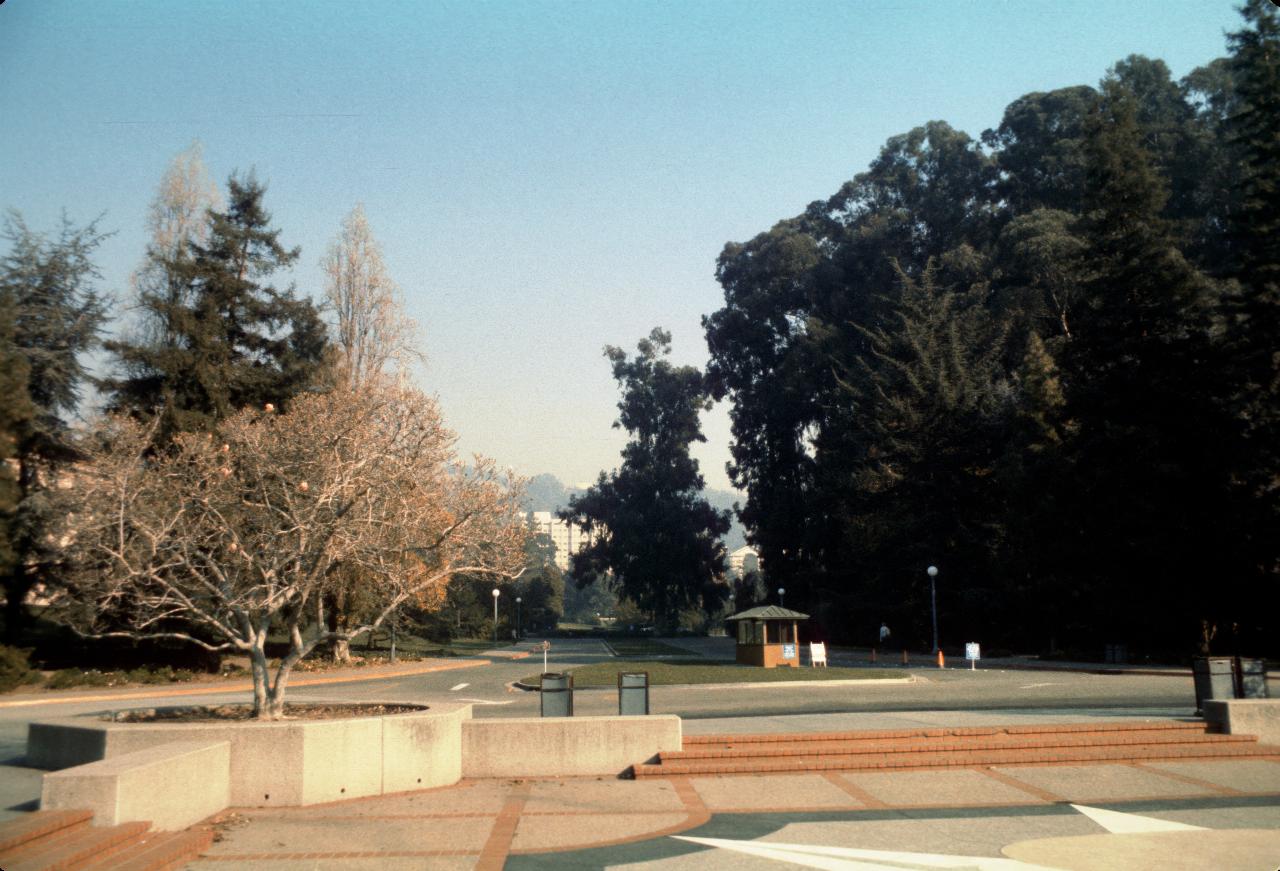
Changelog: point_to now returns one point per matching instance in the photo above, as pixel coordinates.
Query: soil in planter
(222, 713)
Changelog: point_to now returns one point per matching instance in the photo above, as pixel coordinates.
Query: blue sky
(545, 177)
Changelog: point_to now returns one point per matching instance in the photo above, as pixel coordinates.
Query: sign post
(973, 653)
(544, 647)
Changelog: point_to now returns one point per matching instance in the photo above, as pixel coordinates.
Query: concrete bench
(1260, 717)
(564, 746)
(170, 785)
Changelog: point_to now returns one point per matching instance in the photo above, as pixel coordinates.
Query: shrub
(74, 677)
(15, 669)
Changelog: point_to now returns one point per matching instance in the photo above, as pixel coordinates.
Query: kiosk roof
(768, 612)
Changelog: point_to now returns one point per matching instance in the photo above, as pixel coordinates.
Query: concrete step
(72, 847)
(954, 758)
(1195, 726)
(947, 747)
(155, 851)
(32, 826)
(849, 747)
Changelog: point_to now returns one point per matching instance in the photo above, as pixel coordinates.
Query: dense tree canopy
(1043, 361)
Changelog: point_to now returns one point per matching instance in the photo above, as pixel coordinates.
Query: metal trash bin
(1214, 679)
(1253, 679)
(633, 693)
(555, 694)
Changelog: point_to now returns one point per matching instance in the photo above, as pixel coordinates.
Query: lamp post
(933, 597)
(781, 592)
(519, 626)
(496, 594)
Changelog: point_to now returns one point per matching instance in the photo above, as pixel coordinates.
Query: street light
(781, 592)
(933, 596)
(496, 594)
(518, 624)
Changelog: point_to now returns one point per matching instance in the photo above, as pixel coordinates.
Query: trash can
(1116, 653)
(1214, 679)
(1253, 679)
(633, 693)
(556, 695)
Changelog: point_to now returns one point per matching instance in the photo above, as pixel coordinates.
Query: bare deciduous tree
(178, 216)
(225, 538)
(371, 329)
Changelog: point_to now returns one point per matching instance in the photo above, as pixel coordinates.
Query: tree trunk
(340, 650)
(258, 661)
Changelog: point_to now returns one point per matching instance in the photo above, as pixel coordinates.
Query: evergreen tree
(1148, 480)
(1254, 311)
(236, 340)
(51, 317)
(913, 455)
(652, 530)
(17, 415)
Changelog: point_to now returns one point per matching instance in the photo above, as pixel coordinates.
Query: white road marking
(1032, 686)
(458, 687)
(487, 701)
(1131, 824)
(849, 859)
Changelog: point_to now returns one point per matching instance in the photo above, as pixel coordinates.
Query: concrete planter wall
(283, 763)
(175, 774)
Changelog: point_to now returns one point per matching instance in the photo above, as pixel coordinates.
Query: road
(488, 688)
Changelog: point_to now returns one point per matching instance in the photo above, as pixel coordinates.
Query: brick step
(735, 750)
(71, 847)
(29, 827)
(951, 732)
(156, 851)
(957, 758)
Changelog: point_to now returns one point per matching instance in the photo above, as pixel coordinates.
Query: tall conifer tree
(54, 316)
(237, 340)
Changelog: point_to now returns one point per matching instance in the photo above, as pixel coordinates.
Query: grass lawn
(704, 671)
(644, 647)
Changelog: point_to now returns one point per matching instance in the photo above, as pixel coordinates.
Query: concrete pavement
(1039, 815)
(741, 820)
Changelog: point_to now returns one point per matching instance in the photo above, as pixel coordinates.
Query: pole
(933, 595)
(495, 621)
(932, 572)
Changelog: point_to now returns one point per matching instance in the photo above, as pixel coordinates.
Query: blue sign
(788, 651)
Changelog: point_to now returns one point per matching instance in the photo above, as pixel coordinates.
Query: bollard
(904, 657)
(942, 663)
(873, 656)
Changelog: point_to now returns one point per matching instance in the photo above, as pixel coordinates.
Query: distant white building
(568, 538)
(743, 561)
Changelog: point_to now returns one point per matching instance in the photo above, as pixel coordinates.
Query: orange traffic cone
(942, 663)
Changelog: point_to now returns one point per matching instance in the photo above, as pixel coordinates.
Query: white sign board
(817, 653)
(788, 651)
(972, 650)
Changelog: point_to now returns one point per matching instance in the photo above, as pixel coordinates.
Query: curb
(213, 689)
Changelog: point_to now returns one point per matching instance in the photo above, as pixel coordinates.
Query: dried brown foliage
(226, 537)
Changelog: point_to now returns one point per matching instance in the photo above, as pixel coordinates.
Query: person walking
(884, 633)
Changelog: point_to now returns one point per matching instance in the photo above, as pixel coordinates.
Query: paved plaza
(1221, 814)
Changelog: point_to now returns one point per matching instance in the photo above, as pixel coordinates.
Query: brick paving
(489, 824)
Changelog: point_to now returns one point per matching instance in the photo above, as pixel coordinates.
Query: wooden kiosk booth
(768, 636)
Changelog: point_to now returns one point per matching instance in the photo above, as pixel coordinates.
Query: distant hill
(546, 492)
